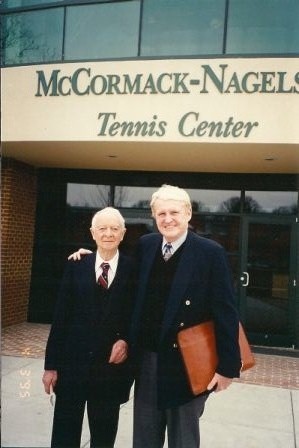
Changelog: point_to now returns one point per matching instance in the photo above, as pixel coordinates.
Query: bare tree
(100, 196)
(286, 210)
(233, 205)
(105, 195)
(142, 203)
(120, 196)
(15, 39)
(199, 206)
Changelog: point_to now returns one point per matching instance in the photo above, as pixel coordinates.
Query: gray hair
(169, 192)
(108, 211)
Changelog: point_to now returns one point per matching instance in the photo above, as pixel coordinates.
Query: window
(89, 196)
(102, 31)
(276, 202)
(215, 201)
(173, 27)
(263, 26)
(111, 29)
(20, 3)
(225, 229)
(34, 36)
(134, 197)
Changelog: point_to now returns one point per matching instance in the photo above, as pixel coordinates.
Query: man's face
(172, 218)
(107, 232)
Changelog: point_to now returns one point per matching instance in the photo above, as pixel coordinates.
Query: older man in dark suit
(183, 280)
(86, 355)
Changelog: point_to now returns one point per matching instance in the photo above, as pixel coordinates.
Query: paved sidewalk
(261, 410)
(29, 340)
(244, 416)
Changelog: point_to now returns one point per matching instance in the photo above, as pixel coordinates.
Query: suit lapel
(120, 278)
(147, 263)
(179, 285)
(116, 286)
(84, 272)
(148, 252)
(89, 275)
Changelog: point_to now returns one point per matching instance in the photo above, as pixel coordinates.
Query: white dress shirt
(112, 270)
(175, 244)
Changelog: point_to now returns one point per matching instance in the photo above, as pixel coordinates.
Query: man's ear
(124, 232)
(92, 233)
(189, 212)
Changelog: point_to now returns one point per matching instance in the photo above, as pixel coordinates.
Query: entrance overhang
(226, 115)
(158, 156)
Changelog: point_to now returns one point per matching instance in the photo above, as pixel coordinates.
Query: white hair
(108, 211)
(169, 192)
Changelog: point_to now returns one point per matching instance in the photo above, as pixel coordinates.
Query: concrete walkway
(244, 416)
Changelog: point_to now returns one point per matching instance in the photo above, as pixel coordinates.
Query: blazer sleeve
(127, 289)
(60, 324)
(225, 315)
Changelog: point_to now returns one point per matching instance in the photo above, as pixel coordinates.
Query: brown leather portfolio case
(198, 348)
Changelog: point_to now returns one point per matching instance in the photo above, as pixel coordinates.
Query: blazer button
(187, 302)
(175, 345)
(182, 324)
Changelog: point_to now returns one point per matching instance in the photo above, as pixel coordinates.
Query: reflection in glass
(134, 197)
(102, 30)
(268, 266)
(84, 200)
(91, 196)
(34, 36)
(18, 3)
(276, 202)
(202, 200)
(173, 27)
(221, 228)
(223, 201)
(271, 24)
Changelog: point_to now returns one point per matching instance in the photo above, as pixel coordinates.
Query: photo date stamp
(25, 383)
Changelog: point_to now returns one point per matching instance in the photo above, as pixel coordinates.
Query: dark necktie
(167, 251)
(103, 278)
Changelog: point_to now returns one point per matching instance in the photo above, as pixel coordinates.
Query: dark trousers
(68, 420)
(150, 423)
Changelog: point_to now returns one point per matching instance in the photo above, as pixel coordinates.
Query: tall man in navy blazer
(192, 286)
(86, 354)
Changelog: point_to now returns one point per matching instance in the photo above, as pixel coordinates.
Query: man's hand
(77, 255)
(119, 352)
(219, 382)
(49, 380)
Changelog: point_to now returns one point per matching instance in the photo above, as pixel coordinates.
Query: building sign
(84, 82)
(244, 100)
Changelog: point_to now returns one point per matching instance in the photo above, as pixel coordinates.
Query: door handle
(245, 278)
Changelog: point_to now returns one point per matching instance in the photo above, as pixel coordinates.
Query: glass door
(268, 282)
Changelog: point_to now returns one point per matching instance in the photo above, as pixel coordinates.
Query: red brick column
(18, 218)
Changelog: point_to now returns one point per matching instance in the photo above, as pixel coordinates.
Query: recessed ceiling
(166, 156)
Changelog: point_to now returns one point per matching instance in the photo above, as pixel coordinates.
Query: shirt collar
(113, 262)
(177, 243)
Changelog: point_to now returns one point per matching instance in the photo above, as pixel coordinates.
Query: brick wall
(18, 218)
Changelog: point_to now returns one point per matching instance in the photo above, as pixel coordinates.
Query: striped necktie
(167, 251)
(103, 278)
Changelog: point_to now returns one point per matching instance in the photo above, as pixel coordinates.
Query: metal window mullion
(225, 26)
(63, 33)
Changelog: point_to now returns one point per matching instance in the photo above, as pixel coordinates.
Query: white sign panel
(193, 100)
